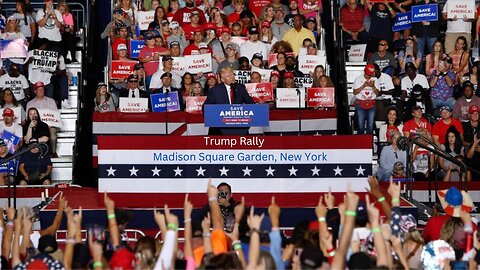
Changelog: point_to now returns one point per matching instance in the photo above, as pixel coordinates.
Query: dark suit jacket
(172, 89)
(219, 95)
(125, 92)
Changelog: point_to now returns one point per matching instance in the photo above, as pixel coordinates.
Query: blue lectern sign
(236, 115)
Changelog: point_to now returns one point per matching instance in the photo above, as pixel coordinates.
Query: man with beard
(464, 103)
(182, 16)
(279, 27)
(291, 65)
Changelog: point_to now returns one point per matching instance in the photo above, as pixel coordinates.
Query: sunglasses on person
(133, 81)
(382, 44)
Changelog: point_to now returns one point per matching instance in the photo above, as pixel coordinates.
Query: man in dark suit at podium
(228, 92)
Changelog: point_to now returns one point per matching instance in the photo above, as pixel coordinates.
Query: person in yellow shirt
(297, 34)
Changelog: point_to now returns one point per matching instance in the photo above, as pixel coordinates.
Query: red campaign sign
(381, 1)
(321, 97)
(122, 69)
(272, 58)
(260, 91)
(194, 104)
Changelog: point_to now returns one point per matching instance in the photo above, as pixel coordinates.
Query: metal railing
(133, 235)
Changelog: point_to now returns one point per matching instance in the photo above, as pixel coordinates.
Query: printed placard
(162, 100)
(198, 63)
(402, 21)
(321, 97)
(260, 91)
(195, 104)
(144, 18)
(122, 69)
(239, 40)
(357, 53)
(13, 48)
(303, 82)
(426, 13)
(135, 47)
(236, 115)
(265, 73)
(307, 63)
(290, 97)
(460, 9)
(133, 105)
(179, 65)
(44, 61)
(11, 140)
(51, 117)
(17, 111)
(242, 76)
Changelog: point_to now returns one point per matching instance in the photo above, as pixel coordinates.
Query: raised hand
(374, 187)
(187, 208)
(330, 199)
(239, 210)
(253, 220)
(373, 212)
(109, 203)
(212, 191)
(320, 210)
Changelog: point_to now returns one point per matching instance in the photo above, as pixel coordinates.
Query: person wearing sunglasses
(382, 57)
(132, 90)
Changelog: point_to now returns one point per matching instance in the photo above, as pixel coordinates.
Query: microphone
(298, 91)
(43, 147)
(403, 143)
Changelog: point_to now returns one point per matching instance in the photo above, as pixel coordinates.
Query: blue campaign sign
(11, 140)
(425, 13)
(236, 115)
(169, 99)
(12, 165)
(402, 21)
(135, 47)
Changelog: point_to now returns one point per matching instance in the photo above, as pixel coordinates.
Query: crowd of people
(228, 234)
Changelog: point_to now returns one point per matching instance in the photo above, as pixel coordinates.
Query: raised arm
(275, 238)
(57, 221)
(112, 220)
(187, 221)
(377, 193)
(254, 222)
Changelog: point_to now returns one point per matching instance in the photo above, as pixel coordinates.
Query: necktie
(231, 95)
(133, 93)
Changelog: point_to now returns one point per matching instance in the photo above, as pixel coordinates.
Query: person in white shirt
(49, 22)
(412, 79)
(42, 102)
(156, 81)
(17, 83)
(366, 89)
(9, 124)
(456, 27)
(253, 45)
(385, 95)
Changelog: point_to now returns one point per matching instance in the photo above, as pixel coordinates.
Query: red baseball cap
(225, 30)
(265, 24)
(122, 259)
(38, 85)
(275, 73)
(8, 112)
(211, 75)
(369, 69)
(473, 109)
(210, 26)
(288, 75)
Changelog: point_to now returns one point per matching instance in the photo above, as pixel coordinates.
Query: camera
(222, 195)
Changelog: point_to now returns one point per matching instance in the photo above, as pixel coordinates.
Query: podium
(235, 119)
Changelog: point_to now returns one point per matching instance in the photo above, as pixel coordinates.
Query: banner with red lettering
(133, 105)
(144, 18)
(460, 9)
(198, 63)
(264, 73)
(290, 98)
(260, 91)
(122, 69)
(194, 104)
(51, 117)
(239, 40)
(357, 53)
(321, 97)
(272, 58)
(307, 63)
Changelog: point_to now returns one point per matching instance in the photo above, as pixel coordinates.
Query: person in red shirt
(412, 126)
(149, 56)
(239, 6)
(195, 46)
(256, 6)
(122, 38)
(440, 128)
(352, 22)
(190, 28)
(182, 16)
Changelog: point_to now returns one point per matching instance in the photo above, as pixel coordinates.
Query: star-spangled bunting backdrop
(253, 164)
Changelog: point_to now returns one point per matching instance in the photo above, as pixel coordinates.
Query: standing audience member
(297, 34)
(365, 89)
(49, 22)
(465, 102)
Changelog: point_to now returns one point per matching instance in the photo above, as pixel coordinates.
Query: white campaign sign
(307, 63)
(133, 105)
(51, 118)
(144, 18)
(460, 9)
(198, 63)
(289, 98)
(357, 53)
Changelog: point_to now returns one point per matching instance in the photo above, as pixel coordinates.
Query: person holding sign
(426, 32)
(458, 23)
(167, 88)
(9, 124)
(227, 92)
(4, 154)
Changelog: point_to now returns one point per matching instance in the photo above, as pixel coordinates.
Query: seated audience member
(472, 140)
(393, 123)
(382, 57)
(281, 65)
(35, 168)
(187, 84)
(122, 52)
(439, 130)
(105, 101)
(244, 63)
(423, 159)
(365, 89)
(419, 98)
(175, 49)
(472, 76)
(9, 124)
(42, 102)
(453, 146)
(257, 61)
(210, 83)
(389, 156)
(255, 77)
(266, 35)
(17, 83)
(460, 57)
(275, 80)
(4, 154)
(436, 55)
(465, 102)
(231, 58)
(156, 81)
(7, 100)
(139, 70)
(297, 34)
(410, 54)
(352, 17)
(191, 27)
(132, 90)
(194, 47)
(412, 79)
(386, 94)
(35, 128)
(382, 17)
(288, 80)
(292, 66)
(197, 90)
(317, 73)
(442, 81)
(279, 26)
(412, 126)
